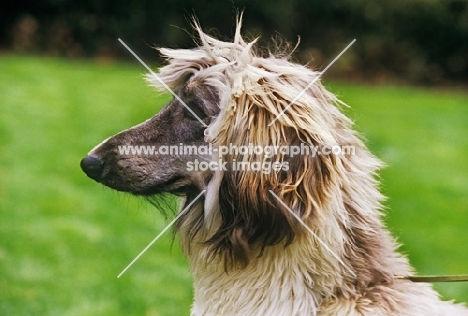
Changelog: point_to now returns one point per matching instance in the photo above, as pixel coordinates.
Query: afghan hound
(276, 231)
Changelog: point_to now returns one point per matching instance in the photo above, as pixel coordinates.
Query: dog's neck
(269, 285)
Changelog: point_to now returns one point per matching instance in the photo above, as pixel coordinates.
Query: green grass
(421, 135)
(64, 239)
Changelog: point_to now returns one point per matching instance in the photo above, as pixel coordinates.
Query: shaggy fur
(248, 254)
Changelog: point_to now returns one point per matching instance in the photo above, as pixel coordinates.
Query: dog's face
(247, 215)
(150, 174)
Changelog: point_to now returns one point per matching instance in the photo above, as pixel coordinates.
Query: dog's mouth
(176, 185)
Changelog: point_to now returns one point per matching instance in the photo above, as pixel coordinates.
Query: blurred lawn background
(64, 238)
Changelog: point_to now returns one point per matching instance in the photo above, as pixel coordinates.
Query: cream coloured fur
(336, 196)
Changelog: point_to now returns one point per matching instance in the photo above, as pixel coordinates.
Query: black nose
(92, 166)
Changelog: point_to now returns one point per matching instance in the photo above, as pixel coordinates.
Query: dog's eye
(196, 109)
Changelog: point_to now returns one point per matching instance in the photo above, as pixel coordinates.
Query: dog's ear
(265, 182)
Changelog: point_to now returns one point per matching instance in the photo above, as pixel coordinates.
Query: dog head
(130, 161)
(231, 99)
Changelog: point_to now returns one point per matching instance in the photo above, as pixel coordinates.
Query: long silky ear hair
(251, 217)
